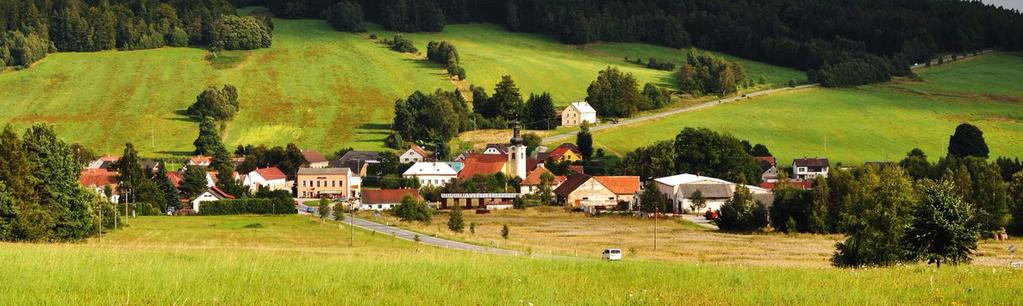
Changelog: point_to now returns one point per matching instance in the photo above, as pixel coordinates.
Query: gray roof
(361, 156)
(710, 191)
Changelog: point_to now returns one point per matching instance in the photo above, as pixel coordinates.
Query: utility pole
(657, 210)
(351, 224)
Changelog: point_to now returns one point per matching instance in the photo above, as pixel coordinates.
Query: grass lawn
(293, 260)
(539, 63)
(869, 123)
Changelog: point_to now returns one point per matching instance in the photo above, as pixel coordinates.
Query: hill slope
(317, 87)
(869, 123)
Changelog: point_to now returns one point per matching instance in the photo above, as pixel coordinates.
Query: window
(332, 184)
(303, 183)
(317, 183)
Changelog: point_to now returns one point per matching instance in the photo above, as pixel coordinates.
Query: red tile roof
(388, 196)
(220, 193)
(175, 179)
(97, 177)
(803, 184)
(533, 178)
(533, 163)
(562, 149)
(482, 164)
(272, 173)
(199, 160)
(313, 157)
(619, 184)
(767, 159)
(419, 150)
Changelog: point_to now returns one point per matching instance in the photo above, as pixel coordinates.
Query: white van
(612, 254)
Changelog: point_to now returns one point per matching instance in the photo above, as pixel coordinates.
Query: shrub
(240, 33)
(443, 53)
(401, 44)
(455, 222)
(742, 213)
(659, 64)
(411, 209)
(248, 206)
(347, 17)
(505, 231)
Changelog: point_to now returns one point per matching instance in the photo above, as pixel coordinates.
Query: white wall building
(577, 113)
(678, 189)
(271, 178)
(431, 173)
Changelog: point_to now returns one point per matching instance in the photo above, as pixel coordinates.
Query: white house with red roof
(200, 161)
(97, 180)
(271, 178)
(414, 154)
(211, 194)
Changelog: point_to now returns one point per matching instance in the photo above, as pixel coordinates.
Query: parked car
(612, 254)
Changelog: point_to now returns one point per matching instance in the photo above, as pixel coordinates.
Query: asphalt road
(424, 239)
(670, 112)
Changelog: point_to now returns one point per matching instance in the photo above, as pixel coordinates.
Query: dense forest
(838, 42)
(29, 29)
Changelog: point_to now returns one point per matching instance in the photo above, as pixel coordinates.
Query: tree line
(704, 73)
(31, 29)
(40, 197)
(839, 43)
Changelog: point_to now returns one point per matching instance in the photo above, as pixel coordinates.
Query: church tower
(517, 156)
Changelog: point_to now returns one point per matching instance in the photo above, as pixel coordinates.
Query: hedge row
(248, 206)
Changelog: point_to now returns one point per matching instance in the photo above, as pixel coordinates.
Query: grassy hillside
(293, 260)
(869, 123)
(542, 64)
(317, 87)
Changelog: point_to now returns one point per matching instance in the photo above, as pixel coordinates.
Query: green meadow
(539, 63)
(869, 123)
(317, 87)
(297, 260)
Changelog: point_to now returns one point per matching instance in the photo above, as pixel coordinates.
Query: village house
(565, 152)
(768, 168)
(677, 191)
(357, 161)
(577, 113)
(810, 168)
(334, 183)
(480, 201)
(414, 154)
(98, 181)
(211, 178)
(596, 193)
(270, 178)
(496, 149)
(211, 194)
(531, 184)
(200, 161)
(386, 199)
(314, 159)
(436, 174)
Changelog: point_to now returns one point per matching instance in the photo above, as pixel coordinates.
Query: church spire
(516, 138)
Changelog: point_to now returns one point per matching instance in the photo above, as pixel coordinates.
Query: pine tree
(170, 194)
(68, 204)
(584, 140)
(193, 183)
(507, 102)
(129, 173)
(208, 141)
(818, 216)
(505, 231)
(540, 112)
(455, 222)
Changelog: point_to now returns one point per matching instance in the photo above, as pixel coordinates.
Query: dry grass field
(551, 230)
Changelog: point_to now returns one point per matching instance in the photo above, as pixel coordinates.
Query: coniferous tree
(540, 113)
(584, 140)
(68, 204)
(193, 183)
(208, 141)
(170, 194)
(506, 100)
(129, 173)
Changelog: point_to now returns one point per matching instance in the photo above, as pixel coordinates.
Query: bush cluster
(257, 206)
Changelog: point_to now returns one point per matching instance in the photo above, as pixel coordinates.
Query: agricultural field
(869, 123)
(299, 260)
(316, 87)
(578, 235)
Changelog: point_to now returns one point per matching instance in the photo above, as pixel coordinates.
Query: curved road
(654, 116)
